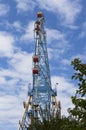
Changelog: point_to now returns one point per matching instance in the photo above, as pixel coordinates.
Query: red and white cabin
(35, 59)
(39, 14)
(35, 70)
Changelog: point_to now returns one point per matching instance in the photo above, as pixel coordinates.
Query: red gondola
(39, 14)
(35, 70)
(35, 59)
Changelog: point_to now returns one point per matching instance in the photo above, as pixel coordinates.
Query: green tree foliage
(79, 100)
(56, 124)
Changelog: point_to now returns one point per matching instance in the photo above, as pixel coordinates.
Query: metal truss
(42, 103)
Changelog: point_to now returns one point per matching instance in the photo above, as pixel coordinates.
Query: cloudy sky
(65, 24)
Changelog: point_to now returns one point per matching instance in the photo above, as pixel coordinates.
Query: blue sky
(65, 24)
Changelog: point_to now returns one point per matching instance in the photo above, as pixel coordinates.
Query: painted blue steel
(41, 92)
(44, 88)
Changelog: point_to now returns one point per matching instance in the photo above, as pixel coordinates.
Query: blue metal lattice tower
(41, 103)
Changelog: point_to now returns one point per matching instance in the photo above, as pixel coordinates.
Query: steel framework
(41, 102)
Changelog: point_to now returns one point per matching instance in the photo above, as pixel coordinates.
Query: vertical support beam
(21, 124)
(59, 109)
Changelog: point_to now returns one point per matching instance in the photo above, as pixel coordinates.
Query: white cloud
(13, 80)
(67, 9)
(14, 87)
(10, 111)
(3, 9)
(57, 43)
(6, 44)
(65, 89)
(25, 5)
(21, 62)
(2, 80)
(17, 26)
(63, 84)
(66, 62)
(83, 30)
(55, 53)
(53, 34)
(72, 26)
(29, 32)
(18, 74)
(57, 39)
